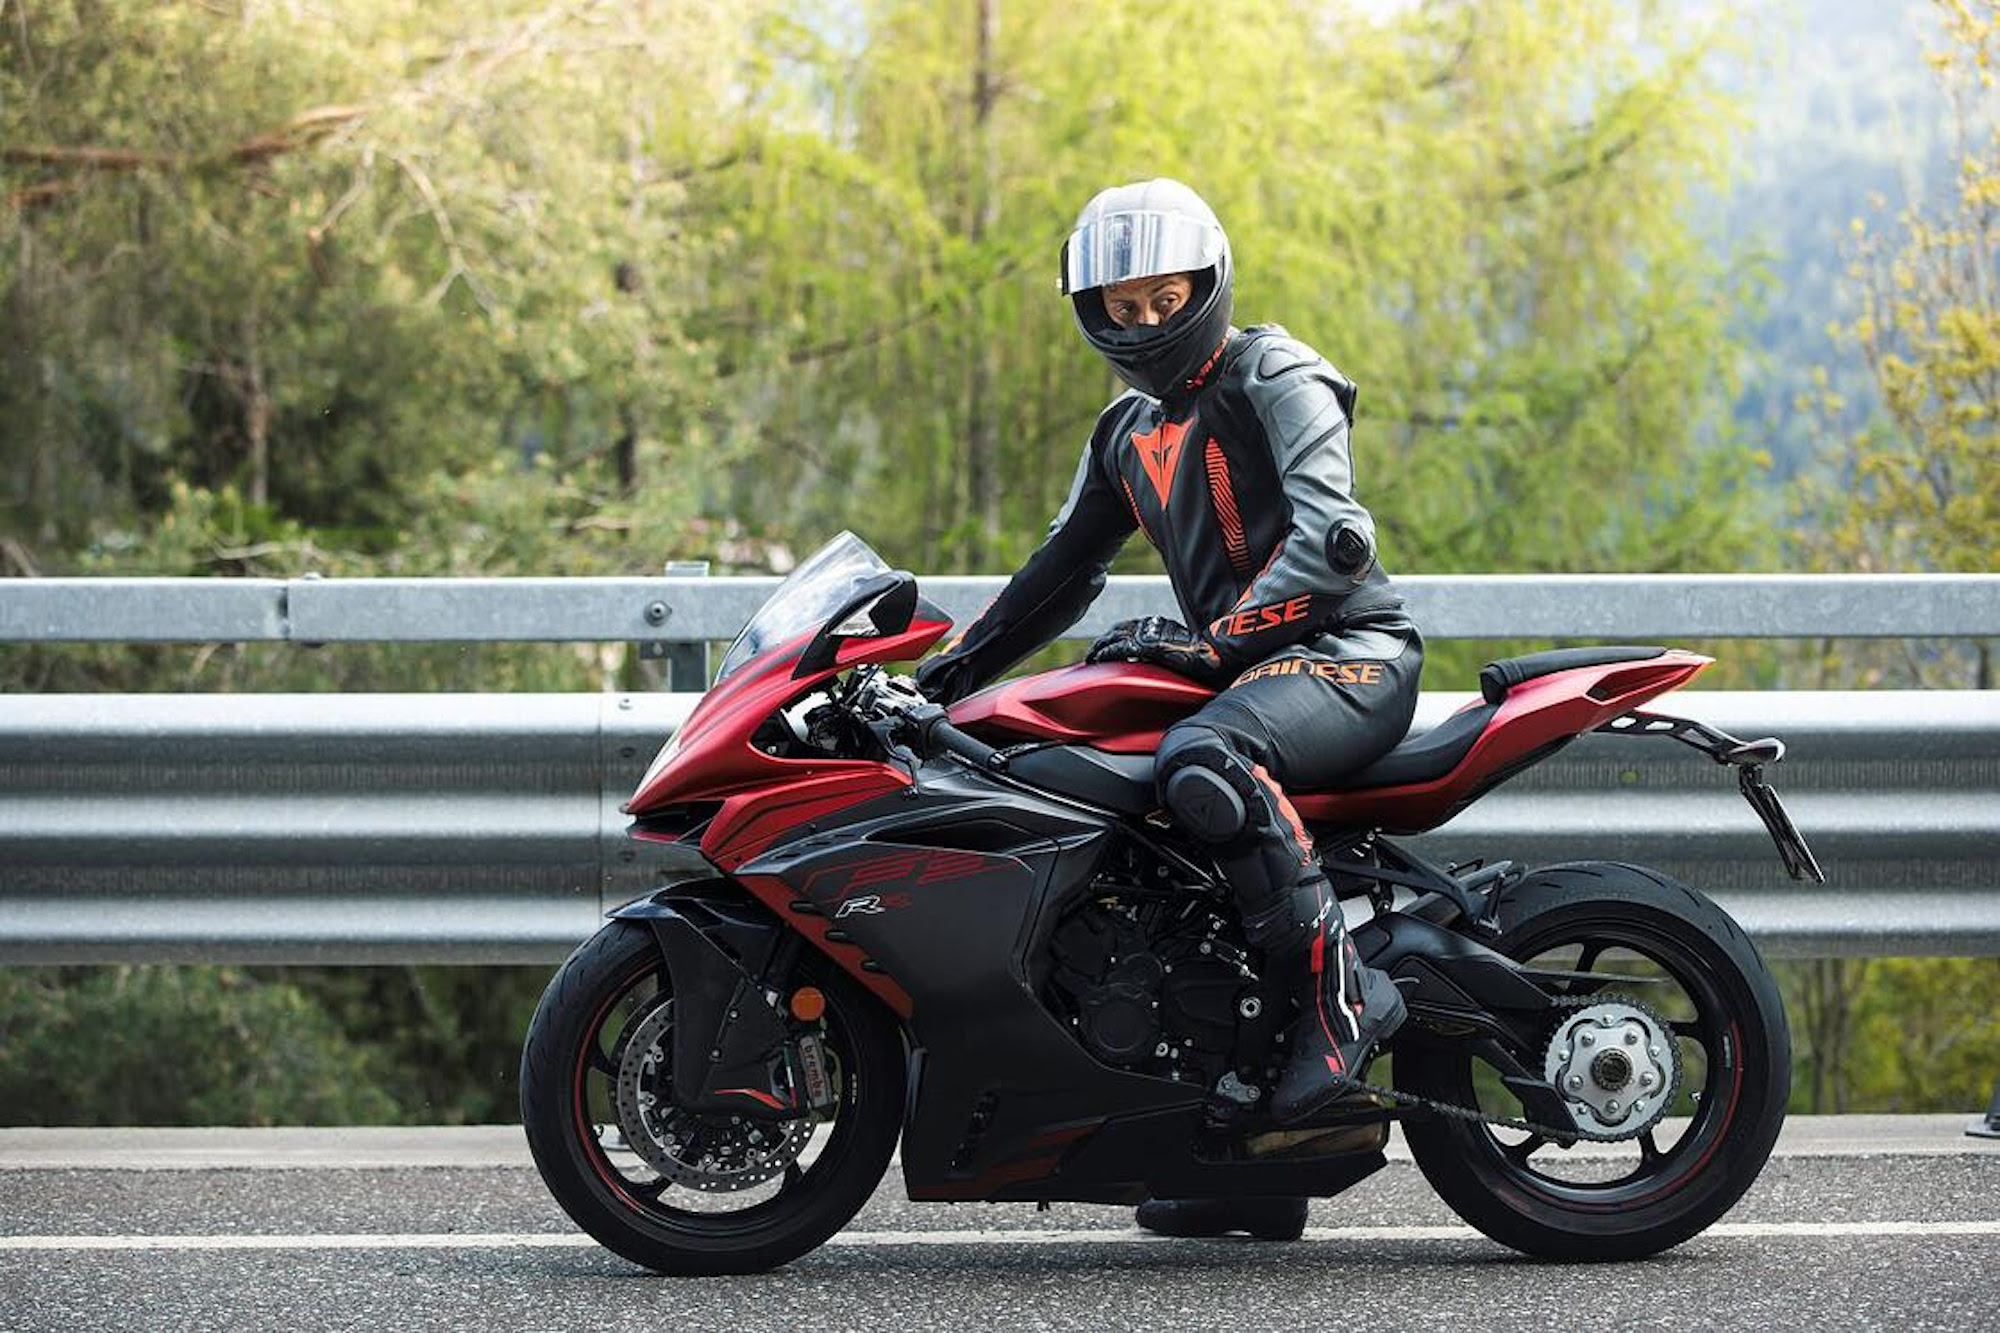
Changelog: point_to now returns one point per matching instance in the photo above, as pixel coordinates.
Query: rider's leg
(1304, 719)
(1306, 725)
(1289, 913)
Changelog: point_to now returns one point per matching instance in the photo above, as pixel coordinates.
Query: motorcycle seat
(1423, 756)
(1496, 678)
(1124, 782)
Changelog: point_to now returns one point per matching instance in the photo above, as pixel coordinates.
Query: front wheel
(684, 1193)
(1670, 1002)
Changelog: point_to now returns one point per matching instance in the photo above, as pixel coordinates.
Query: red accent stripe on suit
(1223, 494)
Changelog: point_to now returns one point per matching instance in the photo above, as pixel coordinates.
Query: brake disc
(717, 1154)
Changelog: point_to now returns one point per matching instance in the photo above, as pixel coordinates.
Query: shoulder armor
(1273, 365)
(1119, 406)
(1281, 355)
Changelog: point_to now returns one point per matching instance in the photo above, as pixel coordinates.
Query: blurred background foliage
(576, 287)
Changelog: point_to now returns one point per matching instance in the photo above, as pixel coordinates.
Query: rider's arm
(1049, 593)
(1328, 550)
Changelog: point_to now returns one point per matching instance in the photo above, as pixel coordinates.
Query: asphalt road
(1857, 1223)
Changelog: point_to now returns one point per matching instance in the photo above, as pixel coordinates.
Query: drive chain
(1469, 1114)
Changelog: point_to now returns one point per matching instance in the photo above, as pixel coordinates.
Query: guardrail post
(1989, 1128)
(687, 663)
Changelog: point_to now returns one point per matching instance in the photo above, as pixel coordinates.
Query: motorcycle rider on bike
(1230, 452)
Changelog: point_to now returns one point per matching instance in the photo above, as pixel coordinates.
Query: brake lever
(887, 732)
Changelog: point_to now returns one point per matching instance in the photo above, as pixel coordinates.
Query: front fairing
(710, 757)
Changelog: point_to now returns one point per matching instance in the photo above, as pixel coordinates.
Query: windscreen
(809, 594)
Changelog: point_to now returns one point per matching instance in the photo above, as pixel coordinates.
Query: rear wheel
(692, 1194)
(1661, 969)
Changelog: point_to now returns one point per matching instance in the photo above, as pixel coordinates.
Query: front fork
(734, 1051)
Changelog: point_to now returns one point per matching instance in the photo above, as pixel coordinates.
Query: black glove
(941, 679)
(1161, 642)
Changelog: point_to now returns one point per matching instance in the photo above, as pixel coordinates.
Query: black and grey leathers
(1245, 484)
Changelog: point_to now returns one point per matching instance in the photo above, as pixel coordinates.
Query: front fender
(730, 1047)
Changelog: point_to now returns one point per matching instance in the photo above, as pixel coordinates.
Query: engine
(1158, 980)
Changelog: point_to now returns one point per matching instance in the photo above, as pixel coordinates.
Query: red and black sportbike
(976, 929)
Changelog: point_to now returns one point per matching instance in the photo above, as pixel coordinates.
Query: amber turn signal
(808, 1005)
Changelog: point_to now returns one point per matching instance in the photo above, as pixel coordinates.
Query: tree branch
(304, 128)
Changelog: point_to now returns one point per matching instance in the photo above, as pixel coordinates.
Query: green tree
(248, 245)
(176, 1046)
(1481, 211)
(1919, 486)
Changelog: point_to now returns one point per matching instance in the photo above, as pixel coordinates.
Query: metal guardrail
(694, 609)
(470, 828)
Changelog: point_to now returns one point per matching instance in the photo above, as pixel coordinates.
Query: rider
(1230, 453)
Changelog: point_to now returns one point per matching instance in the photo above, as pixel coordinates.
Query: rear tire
(568, 1143)
(1733, 1125)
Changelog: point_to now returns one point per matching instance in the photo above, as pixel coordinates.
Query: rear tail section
(1533, 707)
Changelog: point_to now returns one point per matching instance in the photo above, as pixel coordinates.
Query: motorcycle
(973, 928)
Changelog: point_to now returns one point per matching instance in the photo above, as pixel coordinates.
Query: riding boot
(1344, 1009)
(1266, 1219)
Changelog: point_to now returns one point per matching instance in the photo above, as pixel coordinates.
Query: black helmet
(1142, 231)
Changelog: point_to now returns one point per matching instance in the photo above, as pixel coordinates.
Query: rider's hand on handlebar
(934, 679)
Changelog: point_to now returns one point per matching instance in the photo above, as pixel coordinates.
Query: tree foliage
(1918, 485)
(324, 255)
(177, 1046)
(1479, 211)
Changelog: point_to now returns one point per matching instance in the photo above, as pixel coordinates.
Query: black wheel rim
(626, 1180)
(1711, 1042)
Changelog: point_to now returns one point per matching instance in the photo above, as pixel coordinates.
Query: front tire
(604, 991)
(1732, 1030)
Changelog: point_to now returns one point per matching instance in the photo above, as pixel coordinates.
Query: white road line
(512, 1240)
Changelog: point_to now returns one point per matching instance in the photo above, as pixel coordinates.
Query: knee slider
(1204, 804)
(1205, 785)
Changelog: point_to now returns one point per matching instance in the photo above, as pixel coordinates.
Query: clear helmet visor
(1140, 244)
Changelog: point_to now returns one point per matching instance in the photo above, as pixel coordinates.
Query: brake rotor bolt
(1645, 1080)
(1631, 1037)
(1587, 1039)
(1612, 1105)
(1653, 1051)
(1575, 1082)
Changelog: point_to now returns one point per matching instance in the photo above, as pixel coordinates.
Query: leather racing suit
(1244, 482)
